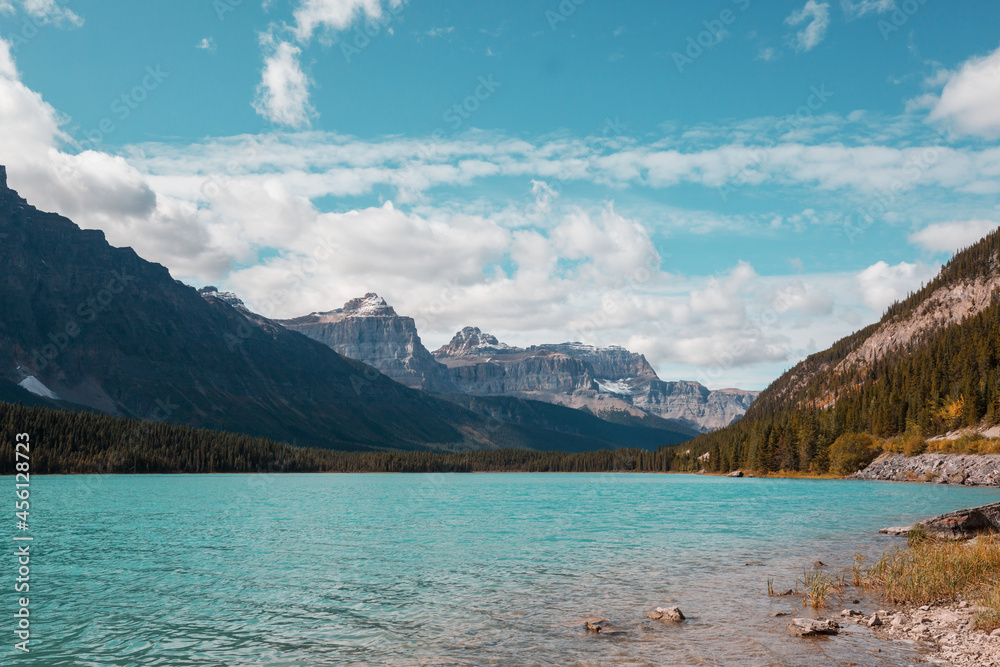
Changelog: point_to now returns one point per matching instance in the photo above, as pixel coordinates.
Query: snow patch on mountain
(35, 386)
(471, 341)
(370, 305)
(212, 292)
(619, 387)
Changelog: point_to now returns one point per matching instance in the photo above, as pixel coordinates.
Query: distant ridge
(609, 382)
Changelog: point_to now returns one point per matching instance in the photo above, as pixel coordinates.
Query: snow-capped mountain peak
(212, 292)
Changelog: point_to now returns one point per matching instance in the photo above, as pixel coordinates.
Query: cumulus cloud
(952, 236)
(206, 44)
(970, 100)
(816, 18)
(283, 93)
(334, 15)
(96, 190)
(882, 284)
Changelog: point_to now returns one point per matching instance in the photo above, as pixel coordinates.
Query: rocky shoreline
(945, 629)
(965, 469)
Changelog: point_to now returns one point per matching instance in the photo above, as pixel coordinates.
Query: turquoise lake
(447, 569)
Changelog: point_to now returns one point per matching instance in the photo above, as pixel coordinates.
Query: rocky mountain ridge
(610, 381)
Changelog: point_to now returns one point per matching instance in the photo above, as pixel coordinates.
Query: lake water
(448, 569)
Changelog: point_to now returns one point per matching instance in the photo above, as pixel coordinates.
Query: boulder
(958, 525)
(811, 627)
(666, 614)
(735, 473)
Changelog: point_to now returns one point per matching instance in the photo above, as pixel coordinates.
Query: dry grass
(818, 588)
(967, 443)
(930, 570)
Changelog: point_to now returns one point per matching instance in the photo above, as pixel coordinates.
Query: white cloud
(881, 284)
(952, 236)
(324, 164)
(335, 15)
(854, 9)
(557, 269)
(971, 97)
(440, 32)
(283, 93)
(45, 11)
(206, 44)
(816, 17)
(96, 190)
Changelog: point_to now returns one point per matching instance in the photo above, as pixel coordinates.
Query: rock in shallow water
(666, 614)
(811, 627)
(602, 626)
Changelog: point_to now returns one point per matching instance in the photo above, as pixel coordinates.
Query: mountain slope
(102, 328)
(931, 364)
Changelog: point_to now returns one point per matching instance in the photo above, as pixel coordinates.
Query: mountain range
(610, 382)
(84, 325)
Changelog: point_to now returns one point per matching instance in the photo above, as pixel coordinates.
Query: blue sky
(724, 186)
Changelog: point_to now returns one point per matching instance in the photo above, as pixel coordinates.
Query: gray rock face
(965, 469)
(693, 403)
(601, 379)
(610, 380)
(471, 342)
(368, 329)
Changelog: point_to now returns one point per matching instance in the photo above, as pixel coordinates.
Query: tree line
(64, 442)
